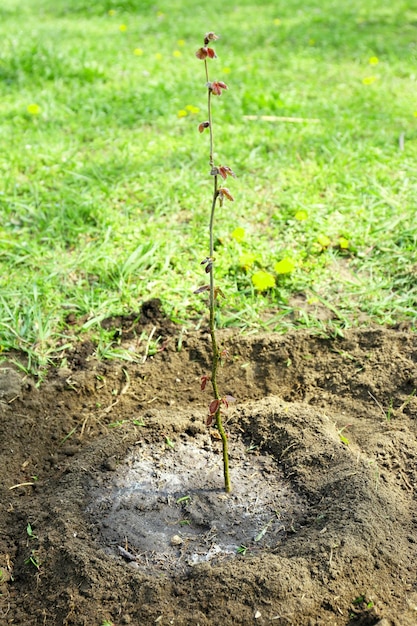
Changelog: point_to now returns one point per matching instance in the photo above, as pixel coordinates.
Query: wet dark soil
(112, 508)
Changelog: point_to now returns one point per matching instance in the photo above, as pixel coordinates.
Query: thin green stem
(211, 226)
(212, 303)
(206, 68)
(226, 473)
(211, 160)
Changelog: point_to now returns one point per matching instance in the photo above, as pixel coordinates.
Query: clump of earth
(113, 508)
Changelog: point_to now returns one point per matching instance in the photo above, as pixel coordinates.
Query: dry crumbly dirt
(111, 465)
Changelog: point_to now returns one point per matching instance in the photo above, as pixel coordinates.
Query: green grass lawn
(105, 189)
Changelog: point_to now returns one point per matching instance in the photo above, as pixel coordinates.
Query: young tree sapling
(220, 193)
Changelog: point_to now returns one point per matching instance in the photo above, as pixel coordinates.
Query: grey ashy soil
(171, 505)
(111, 465)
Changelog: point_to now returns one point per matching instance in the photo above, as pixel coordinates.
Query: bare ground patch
(324, 460)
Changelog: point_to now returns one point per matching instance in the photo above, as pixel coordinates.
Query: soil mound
(112, 501)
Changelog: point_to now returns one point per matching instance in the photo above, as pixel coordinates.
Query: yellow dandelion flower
(301, 216)
(324, 241)
(177, 54)
(181, 42)
(285, 266)
(263, 280)
(192, 109)
(112, 12)
(33, 109)
(343, 243)
(158, 56)
(182, 113)
(277, 22)
(415, 113)
(226, 70)
(373, 61)
(138, 52)
(123, 28)
(368, 80)
(238, 234)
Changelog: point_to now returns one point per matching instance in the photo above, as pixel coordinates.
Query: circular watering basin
(165, 505)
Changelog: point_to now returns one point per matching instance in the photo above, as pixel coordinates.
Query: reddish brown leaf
(203, 288)
(226, 171)
(214, 407)
(203, 126)
(204, 381)
(225, 193)
(201, 54)
(208, 262)
(216, 87)
(209, 420)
